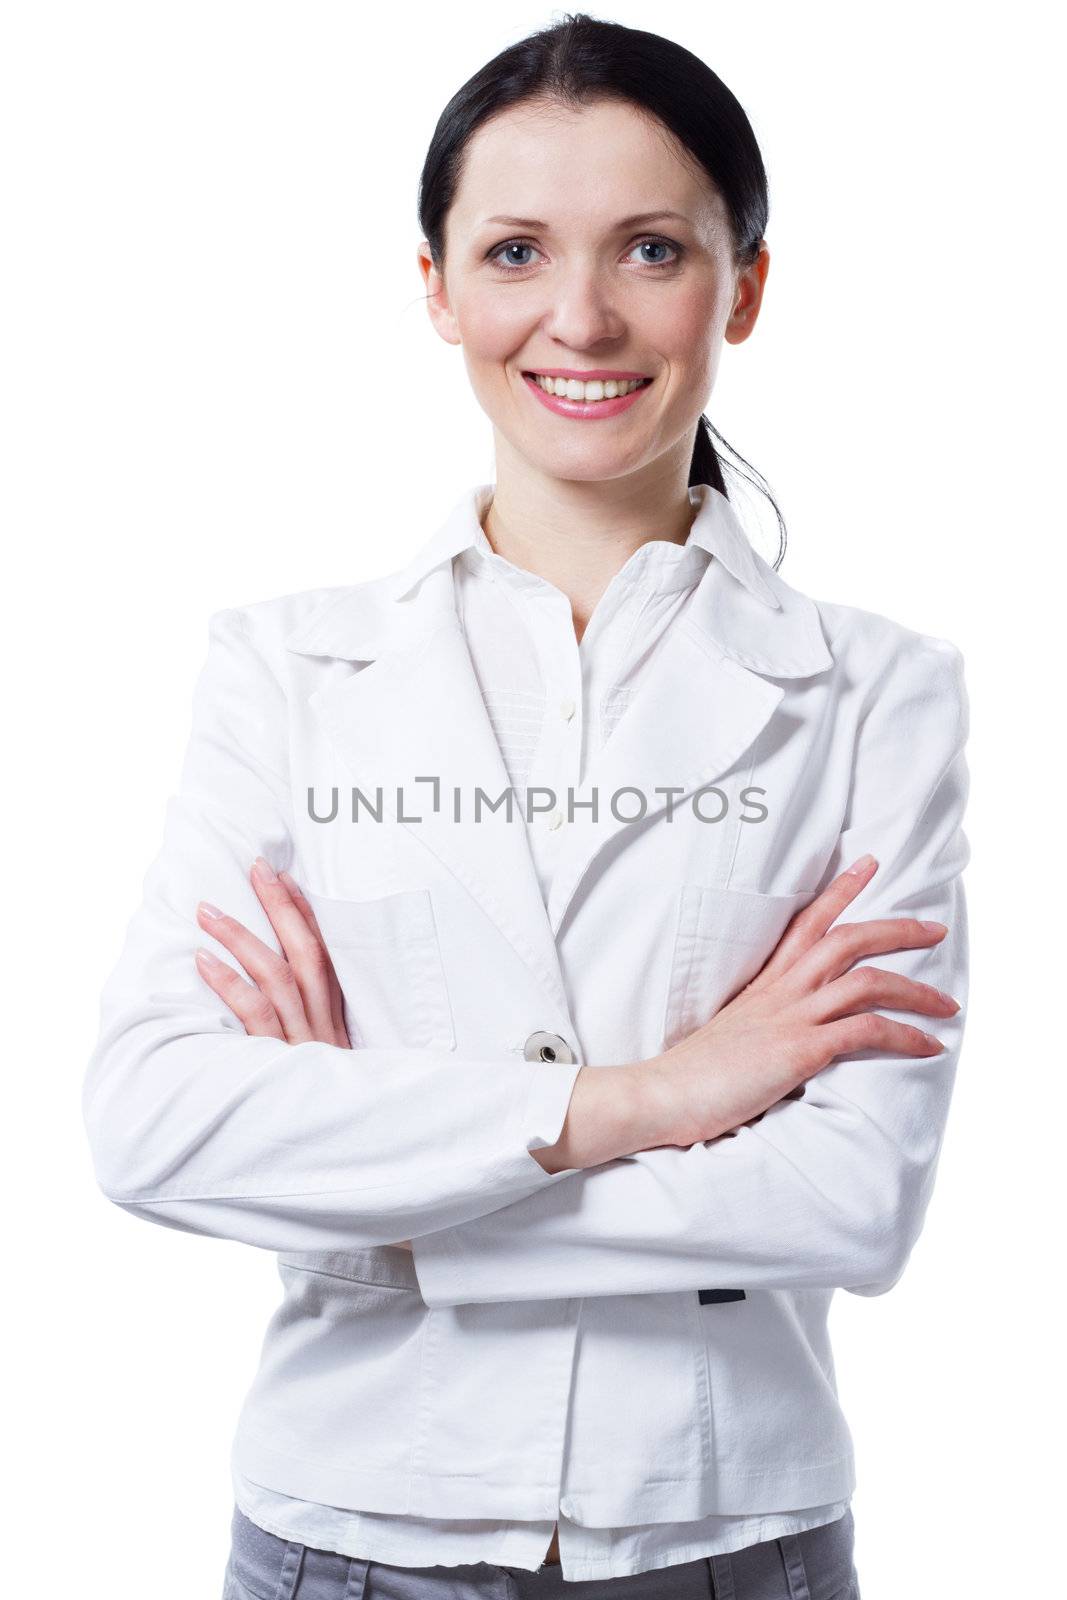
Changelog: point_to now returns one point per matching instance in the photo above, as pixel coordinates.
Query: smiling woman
(565, 1127)
(583, 274)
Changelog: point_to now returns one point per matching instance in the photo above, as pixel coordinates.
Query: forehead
(586, 166)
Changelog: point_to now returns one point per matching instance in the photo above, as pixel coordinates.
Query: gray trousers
(813, 1565)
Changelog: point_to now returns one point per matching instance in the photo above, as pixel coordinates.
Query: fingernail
(862, 864)
(950, 1000)
(209, 910)
(935, 1042)
(207, 958)
(934, 927)
(289, 881)
(266, 871)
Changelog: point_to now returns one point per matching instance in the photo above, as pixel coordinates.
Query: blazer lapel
(695, 714)
(414, 725)
(709, 692)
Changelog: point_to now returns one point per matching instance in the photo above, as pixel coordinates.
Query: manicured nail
(266, 871)
(934, 927)
(209, 910)
(861, 865)
(207, 958)
(935, 1042)
(950, 1000)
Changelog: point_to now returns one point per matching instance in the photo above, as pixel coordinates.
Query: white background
(220, 384)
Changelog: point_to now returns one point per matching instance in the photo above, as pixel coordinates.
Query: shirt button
(554, 819)
(567, 709)
(566, 1505)
(543, 1046)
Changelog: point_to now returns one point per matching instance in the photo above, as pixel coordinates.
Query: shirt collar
(659, 564)
(716, 530)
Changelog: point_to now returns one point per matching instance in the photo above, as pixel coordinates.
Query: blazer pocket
(722, 939)
(387, 957)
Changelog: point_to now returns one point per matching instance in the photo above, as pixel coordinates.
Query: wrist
(588, 1134)
(613, 1111)
(654, 1104)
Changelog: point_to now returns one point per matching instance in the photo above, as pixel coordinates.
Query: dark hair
(575, 62)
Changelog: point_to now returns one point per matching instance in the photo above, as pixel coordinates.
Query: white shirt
(553, 703)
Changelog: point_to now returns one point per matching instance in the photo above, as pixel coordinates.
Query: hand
(294, 996)
(806, 1006)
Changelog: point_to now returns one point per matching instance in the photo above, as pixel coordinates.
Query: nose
(583, 313)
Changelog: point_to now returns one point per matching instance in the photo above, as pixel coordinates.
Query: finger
(847, 942)
(271, 972)
(336, 994)
(249, 1005)
(872, 1031)
(808, 925)
(304, 948)
(303, 904)
(868, 988)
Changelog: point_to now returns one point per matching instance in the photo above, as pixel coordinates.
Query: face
(546, 270)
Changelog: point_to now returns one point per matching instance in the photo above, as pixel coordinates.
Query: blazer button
(547, 1047)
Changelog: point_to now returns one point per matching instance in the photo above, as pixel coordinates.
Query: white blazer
(645, 1340)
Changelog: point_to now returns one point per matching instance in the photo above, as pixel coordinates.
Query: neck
(578, 534)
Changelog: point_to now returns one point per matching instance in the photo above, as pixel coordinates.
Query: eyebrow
(626, 222)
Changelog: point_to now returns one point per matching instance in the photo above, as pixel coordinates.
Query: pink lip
(584, 410)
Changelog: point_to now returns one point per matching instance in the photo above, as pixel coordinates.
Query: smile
(597, 397)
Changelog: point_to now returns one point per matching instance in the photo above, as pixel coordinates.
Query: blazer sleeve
(828, 1190)
(196, 1125)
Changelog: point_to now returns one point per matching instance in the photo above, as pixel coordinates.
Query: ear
(437, 306)
(748, 298)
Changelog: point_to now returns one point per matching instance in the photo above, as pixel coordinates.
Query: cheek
(491, 326)
(685, 331)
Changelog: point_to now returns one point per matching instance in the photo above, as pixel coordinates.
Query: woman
(544, 1320)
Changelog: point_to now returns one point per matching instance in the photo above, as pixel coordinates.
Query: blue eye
(512, 244)
(659, 244)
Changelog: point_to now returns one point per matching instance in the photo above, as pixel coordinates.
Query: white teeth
(595, 389)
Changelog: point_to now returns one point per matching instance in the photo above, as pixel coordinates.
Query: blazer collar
(741, 604)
